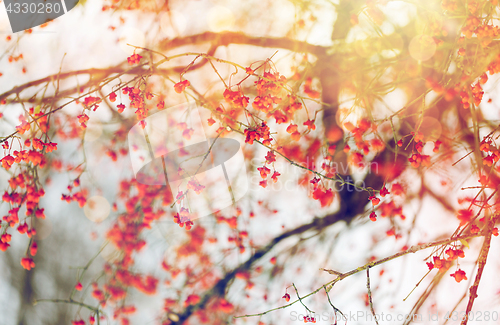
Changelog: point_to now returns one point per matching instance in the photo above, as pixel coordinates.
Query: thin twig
(72, 302)
(335, 309)
(412, 249)
(370, 294)
(300, 299)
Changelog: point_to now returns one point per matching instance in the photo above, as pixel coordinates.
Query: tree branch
(220, 287)
(226, 38)
(482, 262)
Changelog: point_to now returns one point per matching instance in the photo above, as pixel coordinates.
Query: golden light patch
(220, 18)
(422, 47)
(97, 209)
